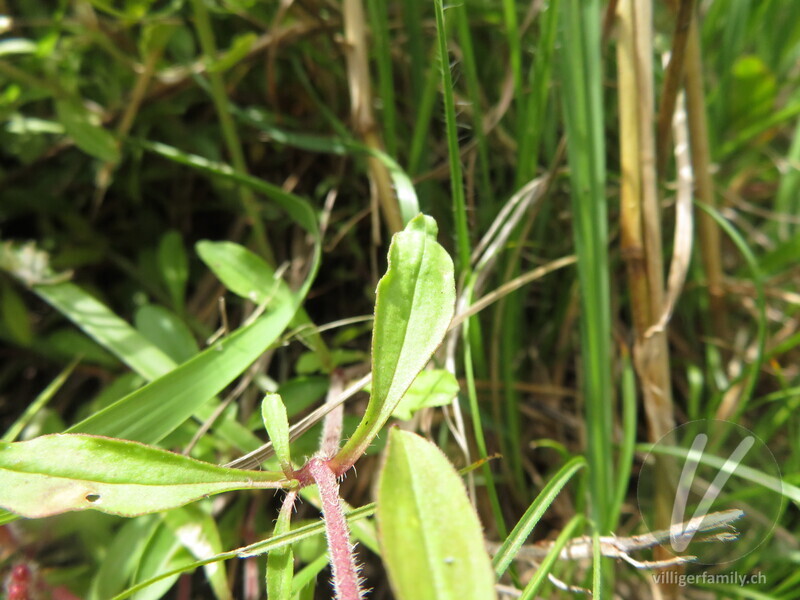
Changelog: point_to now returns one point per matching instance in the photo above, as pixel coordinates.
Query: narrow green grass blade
(154, 411)
(473, 91)
(413, 19)
(456, 177)
(580, 73)
(788, 199)
(761, 304)
(540, 576)
(477, 425)
(511, 545)
(106, 328)
(40, 402)
(539, 82)
(256, 549)
(779, 486)
(626, 448)
(422, 122)
(379, 21)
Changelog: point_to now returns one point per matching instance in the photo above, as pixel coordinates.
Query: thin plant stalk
(346, 581)
(359, 84)
(456, 176)
(708, 230)
(673, 83)
(640, 215)
(228, 128)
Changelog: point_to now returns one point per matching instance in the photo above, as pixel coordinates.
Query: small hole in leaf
(92, 497)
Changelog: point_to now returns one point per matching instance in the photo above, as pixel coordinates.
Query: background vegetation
(129, 128)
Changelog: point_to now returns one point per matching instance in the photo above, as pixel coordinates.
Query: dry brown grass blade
(358, 82)
(641, 228)
(673, 82)
(640, 219)
(708, 230)
(684, 220)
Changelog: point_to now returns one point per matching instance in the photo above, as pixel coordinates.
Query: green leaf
(163, 552)
(280, 562)
(413, 309)
(311, 362)
(431, 540)
(15, 315)
(174, 266)
(166, 331)
(122, 556)
(536, 510)
(102, 325)
(197, 531)
(435, 387)
(243, 272)
(152, 412)
(276, 423)
(247, 275)
(88, 136)
(59, 473)
(239, 48)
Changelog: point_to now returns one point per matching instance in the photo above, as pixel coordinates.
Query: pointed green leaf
(243, 272)
(436, 387)
(152, 412)
(122, 556)
(58, 473)
(87, 135)
(276, 423)
(431, 539)
(173, 265)
(166, 331)
(413, 309)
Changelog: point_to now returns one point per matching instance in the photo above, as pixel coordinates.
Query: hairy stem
(345, 574)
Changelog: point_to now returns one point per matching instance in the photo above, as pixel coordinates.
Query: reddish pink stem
(345, 574)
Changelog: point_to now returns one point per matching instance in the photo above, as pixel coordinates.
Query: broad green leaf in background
(163, 552)
(276, 423)
(112, 476)
(413, 309)
(122, 556)
(166, 331)
(155, 410)
(239, 48)
(14, 315)
(173, 266)
(243, 272)
(89, 137)
(197, 531)
(431, 539)
(435, 387)
(247, 275)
